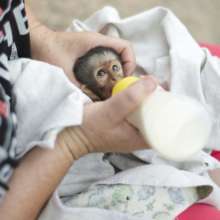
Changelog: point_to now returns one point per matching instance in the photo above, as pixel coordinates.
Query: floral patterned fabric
(159, 203)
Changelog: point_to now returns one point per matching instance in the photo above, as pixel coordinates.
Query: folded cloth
(46, 102)
(164, 48)
(148, 177)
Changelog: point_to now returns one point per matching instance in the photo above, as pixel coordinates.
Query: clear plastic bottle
(176, 126)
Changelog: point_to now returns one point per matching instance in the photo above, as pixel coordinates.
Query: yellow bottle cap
(124, 83)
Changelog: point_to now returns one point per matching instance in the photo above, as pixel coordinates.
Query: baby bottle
(176, 126)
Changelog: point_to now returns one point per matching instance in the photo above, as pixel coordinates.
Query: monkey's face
(106, 76)
(99, 70)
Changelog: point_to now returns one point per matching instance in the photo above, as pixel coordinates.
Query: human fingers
(127, 55)
(130, 139)
(118, 107)
(129, 62)
(122, 47)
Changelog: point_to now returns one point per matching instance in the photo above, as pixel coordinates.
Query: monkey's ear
(89, 93)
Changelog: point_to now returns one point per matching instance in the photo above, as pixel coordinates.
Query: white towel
(46, 102)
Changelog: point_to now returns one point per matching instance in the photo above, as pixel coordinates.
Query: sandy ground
(201, 17)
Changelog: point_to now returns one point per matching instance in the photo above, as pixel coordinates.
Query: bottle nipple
(124, 83)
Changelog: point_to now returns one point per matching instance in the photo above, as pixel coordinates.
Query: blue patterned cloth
(159, 203)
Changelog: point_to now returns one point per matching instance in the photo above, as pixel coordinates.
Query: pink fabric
(216, 154)
(214, 49)
(200, 212)
(203, 211)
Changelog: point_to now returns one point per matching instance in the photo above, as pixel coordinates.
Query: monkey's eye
(115, 68)
(100, 73)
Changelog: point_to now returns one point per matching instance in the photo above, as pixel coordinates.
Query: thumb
(118, 107)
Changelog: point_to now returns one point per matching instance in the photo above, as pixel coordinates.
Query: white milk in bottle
(176, 126)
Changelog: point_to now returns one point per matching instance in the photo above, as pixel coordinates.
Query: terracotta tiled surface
(200, 16)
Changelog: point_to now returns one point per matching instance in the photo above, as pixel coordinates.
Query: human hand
(63, 48)
(105, 128)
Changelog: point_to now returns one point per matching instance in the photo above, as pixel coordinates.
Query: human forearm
(40, 36)
(36, 178)
(38, 32)
(47, 46)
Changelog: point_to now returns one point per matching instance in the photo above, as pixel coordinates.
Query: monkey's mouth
(109, 91)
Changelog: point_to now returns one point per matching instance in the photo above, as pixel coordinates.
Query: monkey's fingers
(89, 93)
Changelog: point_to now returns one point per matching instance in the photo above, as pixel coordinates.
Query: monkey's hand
(89, 93)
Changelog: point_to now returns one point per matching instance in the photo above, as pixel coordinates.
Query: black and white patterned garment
(14, 43)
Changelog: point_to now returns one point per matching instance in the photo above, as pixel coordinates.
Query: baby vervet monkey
(98, 71)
